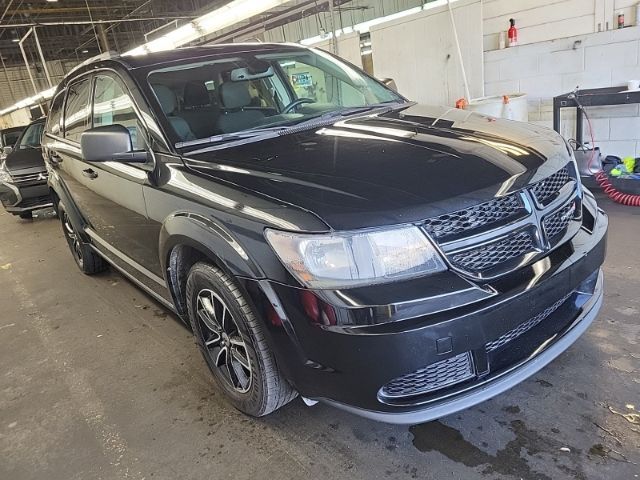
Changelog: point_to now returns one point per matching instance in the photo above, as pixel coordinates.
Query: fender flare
(210, 238)
(60, 191)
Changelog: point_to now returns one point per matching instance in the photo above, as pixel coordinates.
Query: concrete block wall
(545, 69)
(538, 20)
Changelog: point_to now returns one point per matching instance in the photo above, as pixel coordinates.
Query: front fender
(208, 237)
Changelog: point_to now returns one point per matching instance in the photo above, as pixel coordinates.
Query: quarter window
(112, 105)
(55, 115)
(77, 117)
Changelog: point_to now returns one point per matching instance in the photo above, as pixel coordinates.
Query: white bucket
(512, 106)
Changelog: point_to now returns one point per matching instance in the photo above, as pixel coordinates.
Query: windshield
(32, 136)
(227, 96)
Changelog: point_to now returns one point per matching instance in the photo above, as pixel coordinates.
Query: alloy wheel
(223, 341)
(72, 236)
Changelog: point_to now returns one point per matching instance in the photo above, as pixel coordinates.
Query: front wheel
(87, 260)
(233, 343)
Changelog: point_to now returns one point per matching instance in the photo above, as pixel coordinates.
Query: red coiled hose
(603, 179)
(614, 194)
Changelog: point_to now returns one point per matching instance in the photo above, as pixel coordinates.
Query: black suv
(321, 234)
(23, 175)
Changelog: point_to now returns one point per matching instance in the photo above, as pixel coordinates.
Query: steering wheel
(297, 103)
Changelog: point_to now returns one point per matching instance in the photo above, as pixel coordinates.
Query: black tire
(26, 215)
(88, 261)
(266, 389)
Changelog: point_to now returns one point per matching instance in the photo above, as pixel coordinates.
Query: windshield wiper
(235, 137)
(257, 134)
(343, 112)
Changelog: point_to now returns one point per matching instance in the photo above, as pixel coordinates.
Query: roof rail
(103, 56)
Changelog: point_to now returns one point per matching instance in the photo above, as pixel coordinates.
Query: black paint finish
(366, 171)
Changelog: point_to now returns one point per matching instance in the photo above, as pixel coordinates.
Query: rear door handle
(90, 173)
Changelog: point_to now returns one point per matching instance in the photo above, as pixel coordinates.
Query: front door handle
(90, 173)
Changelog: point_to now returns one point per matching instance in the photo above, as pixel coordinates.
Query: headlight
(349, 259)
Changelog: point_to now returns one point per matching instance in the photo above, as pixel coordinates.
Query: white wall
(348, 47)
(537, 20)
(541, 20)
(546, 69)
(419, 53)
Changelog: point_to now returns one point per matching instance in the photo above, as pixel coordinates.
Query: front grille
(40, 177)
(558, 221)
(491, 238)
(491, 255)
(524, 327)
(486, 214)
(548, 189)
(430, 378)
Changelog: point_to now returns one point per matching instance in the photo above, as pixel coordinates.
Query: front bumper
(348, 363)
(499, 383)
(20, 199)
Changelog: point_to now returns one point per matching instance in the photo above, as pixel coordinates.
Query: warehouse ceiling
(71, 31)
(77, 29)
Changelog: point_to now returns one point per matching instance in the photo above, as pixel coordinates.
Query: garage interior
(99, 380)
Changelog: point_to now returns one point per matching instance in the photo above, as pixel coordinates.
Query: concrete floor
(99, 381)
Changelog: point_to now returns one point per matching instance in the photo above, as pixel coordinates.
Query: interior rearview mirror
(110, 143)
(243, 74)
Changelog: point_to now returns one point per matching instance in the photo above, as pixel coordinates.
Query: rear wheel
(87, 260)
(233, 343)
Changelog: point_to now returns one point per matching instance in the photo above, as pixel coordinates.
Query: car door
(109, 194)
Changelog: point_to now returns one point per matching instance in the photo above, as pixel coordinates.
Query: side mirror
(390, 83)
(110, 143)
(7, 150)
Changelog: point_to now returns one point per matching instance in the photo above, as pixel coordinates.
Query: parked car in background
(8, 138)
(23, 175)
(321, 234)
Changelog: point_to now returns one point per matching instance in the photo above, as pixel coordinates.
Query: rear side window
(77, 113)
(54, 118)
(113, 105)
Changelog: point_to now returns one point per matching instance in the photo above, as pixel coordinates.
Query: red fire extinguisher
(513, 33)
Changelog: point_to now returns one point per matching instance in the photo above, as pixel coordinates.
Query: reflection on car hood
(398, 167)
(21, 159)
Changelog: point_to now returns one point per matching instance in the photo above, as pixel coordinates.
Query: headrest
(196, 95)
(235, 94)
(167, 98)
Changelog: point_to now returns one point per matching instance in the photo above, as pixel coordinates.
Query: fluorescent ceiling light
(223, 17)
(365, 26)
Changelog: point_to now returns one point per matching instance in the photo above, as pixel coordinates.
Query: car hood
(401, 166)
(24, 159)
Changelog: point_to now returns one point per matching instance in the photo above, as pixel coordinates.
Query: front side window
(10, 138)
(32, 136)
(263, 90)
(77, 112)
(113, 105)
